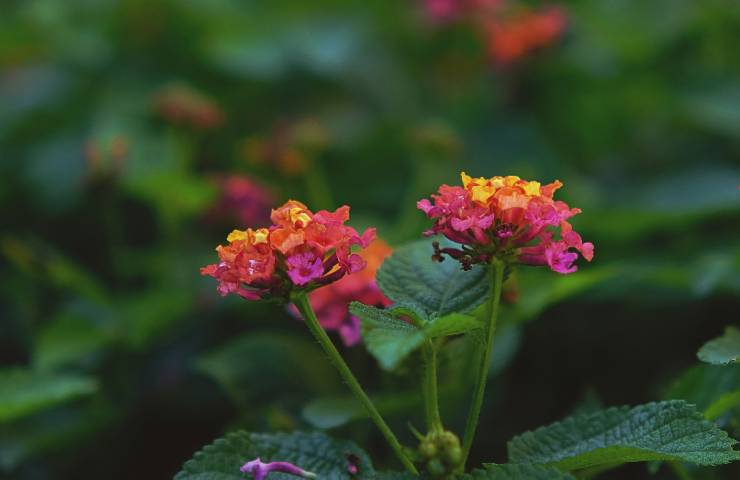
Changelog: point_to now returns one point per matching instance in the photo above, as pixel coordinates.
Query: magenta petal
(355, 263)
(461, 224)
(424, 205)
(561, 261)
(304, 267)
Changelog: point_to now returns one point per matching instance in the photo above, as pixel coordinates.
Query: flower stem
(431, 395)
(497, 279)
(304, 307)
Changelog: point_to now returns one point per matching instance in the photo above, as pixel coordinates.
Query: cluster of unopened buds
(441, 453)
(508, 218)
(301, 250)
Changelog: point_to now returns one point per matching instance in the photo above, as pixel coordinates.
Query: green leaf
(265, 364)
(671, 430)
(722, 350)
(335, 411)
(518, 472)
(331, 412)
(708, 387)
(68, 339)
(410, 276)
(51, 430)
(314, 452)
(23, 392)
(390, 339)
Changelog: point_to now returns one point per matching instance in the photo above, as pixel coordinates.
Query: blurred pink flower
(242, 200)
(331, 303)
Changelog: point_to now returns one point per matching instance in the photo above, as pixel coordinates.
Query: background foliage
(116, 354)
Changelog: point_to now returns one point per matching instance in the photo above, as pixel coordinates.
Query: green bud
(428, 449)
(435, 468)
(453, 456)
(448, 440)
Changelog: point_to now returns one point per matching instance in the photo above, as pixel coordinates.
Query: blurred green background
(120, 122)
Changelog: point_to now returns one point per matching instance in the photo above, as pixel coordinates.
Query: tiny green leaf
(410, 276)
(671, 430)
(315, 452)
(518, 472)
(390, 339)
(23, 392)
(722, 350)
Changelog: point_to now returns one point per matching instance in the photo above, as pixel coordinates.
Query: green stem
(304, 307)
(431, 396)
(497, 278)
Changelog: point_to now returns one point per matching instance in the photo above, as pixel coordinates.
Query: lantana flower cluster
(505, 217)
(300, 250)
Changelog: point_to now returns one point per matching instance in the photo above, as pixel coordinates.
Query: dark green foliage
(23, 392)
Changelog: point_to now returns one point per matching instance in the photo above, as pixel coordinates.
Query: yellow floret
(298, 214)
(236, 235)
(531, 188)
(259, 236)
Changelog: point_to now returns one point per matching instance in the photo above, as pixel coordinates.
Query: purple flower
(304, 267)
(259, 470)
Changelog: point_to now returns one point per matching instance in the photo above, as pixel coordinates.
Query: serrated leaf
(722, 350)
(410, 276)
(314, 452)
(390, 339)
(518, 472)
(671, 430)
(386, 337)
(23, 392)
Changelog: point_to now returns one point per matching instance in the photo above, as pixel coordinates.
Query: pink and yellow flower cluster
(301, 249)
(508, 218)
